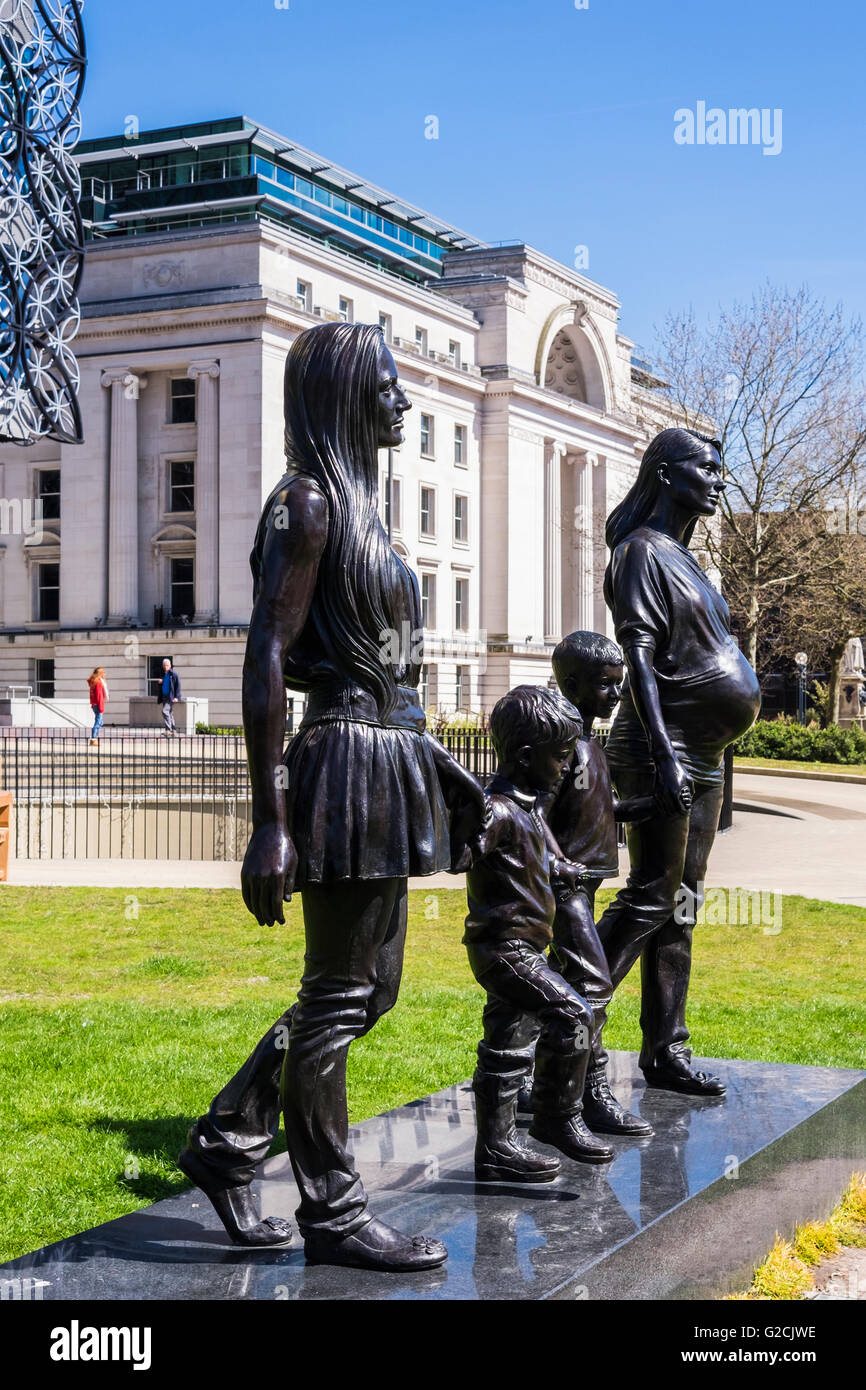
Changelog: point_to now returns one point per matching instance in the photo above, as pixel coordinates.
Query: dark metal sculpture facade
(42, 65)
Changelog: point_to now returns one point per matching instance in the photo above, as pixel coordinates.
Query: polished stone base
(686, 1214)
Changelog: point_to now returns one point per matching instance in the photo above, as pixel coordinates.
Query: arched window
(564, 371)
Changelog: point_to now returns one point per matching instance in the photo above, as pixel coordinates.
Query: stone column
(553, 456)
(125, 387)
(206, 377)
(584, 543)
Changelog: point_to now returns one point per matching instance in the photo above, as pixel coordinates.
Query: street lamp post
(801, 661)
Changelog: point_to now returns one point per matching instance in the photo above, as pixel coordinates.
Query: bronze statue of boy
(516, 867)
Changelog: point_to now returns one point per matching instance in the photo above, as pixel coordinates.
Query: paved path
(799, 836)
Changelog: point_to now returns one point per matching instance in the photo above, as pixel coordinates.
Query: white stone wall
(224, 304)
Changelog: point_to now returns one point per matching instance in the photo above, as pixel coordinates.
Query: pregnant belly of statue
(717, 708)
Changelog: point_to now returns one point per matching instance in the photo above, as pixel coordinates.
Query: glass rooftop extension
(234, 170)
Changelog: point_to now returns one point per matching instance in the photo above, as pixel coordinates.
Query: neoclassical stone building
(210, 247)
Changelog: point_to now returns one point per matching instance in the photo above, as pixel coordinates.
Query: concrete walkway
(792, 836)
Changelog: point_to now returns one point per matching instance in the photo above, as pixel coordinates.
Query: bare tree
(782, 378)
(823, 609)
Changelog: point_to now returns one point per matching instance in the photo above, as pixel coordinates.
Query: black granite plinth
(683, 1215)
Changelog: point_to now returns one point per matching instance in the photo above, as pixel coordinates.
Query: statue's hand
(468, 807)
(268, 873)
(467, 832)
(674, 786)
(566, 878)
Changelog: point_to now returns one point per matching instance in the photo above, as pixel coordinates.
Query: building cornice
(569, 413)
(534, 266)
(157, 322)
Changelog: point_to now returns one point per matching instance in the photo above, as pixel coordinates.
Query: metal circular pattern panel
(42, 64)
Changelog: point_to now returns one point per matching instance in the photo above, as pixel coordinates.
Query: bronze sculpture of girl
(361, 799)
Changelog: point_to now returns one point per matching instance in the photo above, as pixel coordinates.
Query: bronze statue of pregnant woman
(689, 692)
(360, 801)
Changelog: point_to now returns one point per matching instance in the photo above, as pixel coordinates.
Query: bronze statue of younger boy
(510, 889)
(582, 814)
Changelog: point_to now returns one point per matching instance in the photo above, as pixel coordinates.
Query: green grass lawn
(122, 1014)
(858, 769)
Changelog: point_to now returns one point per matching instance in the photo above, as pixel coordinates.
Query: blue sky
(556, 125)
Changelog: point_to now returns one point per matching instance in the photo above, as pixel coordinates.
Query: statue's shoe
(571, 1136)
(235, 1207)
(375, 1246)
(604, 1114)
(513, 1162)
(679, 1075)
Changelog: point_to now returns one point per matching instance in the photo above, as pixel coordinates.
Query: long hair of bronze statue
(670, 446)
(331, 389)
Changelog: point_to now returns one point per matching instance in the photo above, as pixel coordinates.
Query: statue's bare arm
(290, 563)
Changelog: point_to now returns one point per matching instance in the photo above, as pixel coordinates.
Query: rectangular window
(181, 485)
(427, 436)
(428, 600)
(182, 401)
(421, 339)
(461, 519)
(463, 687)
(392, 518)
(48, 492)
(461, 605)
(428, 511)
(346, 309)
(385, 325)
(48, 590)
(428, 686)
(155, 674)
(461, 456)
(182, 583)
(45, 678)
(305, 294)
(454, 353)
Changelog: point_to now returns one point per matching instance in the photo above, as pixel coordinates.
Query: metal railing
(138, 795)
(135, 795)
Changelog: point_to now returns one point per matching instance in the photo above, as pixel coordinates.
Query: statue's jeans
(652, 917)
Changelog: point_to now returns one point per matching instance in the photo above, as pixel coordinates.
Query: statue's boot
(499, 1154)
(569, 1134)
(235, 1206)
(676, 1073)
(603, 1113)
(560, 1078)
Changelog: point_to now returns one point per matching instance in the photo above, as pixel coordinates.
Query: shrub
(216, 729)
(784, 738)
(819, 709)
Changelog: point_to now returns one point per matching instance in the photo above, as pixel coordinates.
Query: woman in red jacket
(98, 697)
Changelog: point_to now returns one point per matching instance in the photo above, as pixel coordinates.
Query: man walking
(169, 694)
